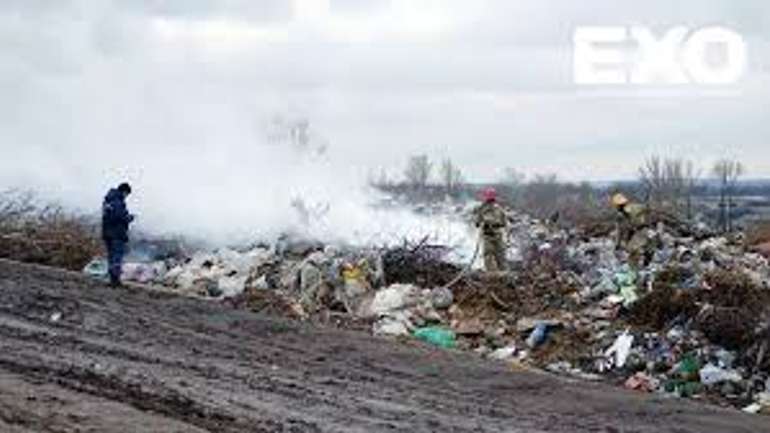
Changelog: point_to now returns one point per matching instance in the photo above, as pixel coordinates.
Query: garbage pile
(686, 317)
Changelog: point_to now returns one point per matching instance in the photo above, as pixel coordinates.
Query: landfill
(686, 320)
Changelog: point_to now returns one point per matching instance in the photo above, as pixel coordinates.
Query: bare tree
(384, 179)
(542, 194)
(513, 177)
(451, 176)
(669, 183)
(662, 181)
(296, 133)
(546, 197)
(727, 172)
(299, 133)
(380, 180)
(692, 176)
(418, 171)
(651, 175)
(513, 182)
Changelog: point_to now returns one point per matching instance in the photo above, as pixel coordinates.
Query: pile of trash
(687, 317)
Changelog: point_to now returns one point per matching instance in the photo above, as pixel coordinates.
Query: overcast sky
(179, 92)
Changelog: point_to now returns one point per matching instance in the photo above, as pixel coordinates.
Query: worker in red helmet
(492, 220)
(489, 195)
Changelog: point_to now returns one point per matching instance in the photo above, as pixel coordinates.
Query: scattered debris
(690, 320)
(641, 381)
(712, 375)
(97, 268)
(436, 336)
(503, 353)
(538, 335)
(619, 351)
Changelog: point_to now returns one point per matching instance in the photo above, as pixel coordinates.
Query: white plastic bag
(620, 349)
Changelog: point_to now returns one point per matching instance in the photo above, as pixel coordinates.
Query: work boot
(115, 283)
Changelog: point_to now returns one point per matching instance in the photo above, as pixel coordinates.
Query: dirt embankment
(77, 356)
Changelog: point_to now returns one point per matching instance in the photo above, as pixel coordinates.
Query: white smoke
(289, 179)
(98, 99)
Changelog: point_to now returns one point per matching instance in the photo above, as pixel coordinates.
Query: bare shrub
(545, 197)
(669, 184)
(758, 233)
(727, 171)
(734, 307)
(46, 234)
(418, 171)
(451, 176)
(666, 303)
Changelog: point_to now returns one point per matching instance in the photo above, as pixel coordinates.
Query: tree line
(662, 183)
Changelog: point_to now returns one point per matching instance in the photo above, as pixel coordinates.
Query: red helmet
(489, 195)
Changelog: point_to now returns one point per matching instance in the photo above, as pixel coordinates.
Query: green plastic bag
(436, 336)
(689, 368)
(625, 278)
(629, 295)
(683, 389)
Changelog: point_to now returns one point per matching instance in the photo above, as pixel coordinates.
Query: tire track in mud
(89, 377)
(81, 380)
(223, 370)
(350, 376)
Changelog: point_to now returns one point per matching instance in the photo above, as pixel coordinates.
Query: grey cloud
(92, 93)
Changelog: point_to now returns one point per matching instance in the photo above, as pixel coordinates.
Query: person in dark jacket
(115, 222)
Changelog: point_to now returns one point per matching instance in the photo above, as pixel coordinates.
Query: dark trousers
(116, 249)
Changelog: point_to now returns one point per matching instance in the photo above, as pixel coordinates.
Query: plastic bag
(538, 335)
(711, 375)
(688, 368)
(436, 336)
(96, 268)
(620, 349)
(629, 295)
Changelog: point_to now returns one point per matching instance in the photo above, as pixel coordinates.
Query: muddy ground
(79, 357)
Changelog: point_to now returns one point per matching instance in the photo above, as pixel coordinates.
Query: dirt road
(78, 357)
